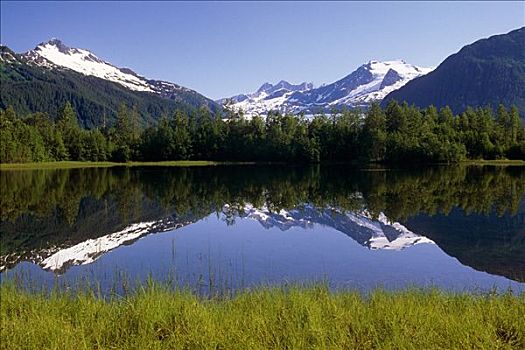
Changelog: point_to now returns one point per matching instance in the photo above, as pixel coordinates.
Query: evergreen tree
(68, 126)
(123, 135)
(373, 136)
(181, 142)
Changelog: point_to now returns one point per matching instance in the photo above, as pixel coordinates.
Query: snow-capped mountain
(370, 82)
(55, 54)
(267, 97)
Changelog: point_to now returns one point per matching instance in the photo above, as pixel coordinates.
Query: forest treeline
(398, 133)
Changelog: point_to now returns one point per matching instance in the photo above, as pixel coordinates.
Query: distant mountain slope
(370, 82)
(51, 74)
(488, 72)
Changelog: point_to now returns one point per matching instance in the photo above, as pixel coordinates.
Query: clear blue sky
(224, 48)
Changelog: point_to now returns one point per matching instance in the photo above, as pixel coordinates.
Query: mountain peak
(264, 87)
(389, 62)
(269, 88)
(385, 66)
(391, 77)
(54, 42)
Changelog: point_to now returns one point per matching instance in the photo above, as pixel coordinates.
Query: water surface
(232, 227)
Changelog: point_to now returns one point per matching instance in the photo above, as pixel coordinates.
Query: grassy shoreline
(264, 318)
(192, 163)
(78, 164)
(505, 162)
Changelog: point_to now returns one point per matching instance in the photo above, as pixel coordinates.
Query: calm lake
(232, 227)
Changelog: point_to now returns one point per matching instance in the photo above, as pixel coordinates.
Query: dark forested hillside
(30, 88)
(488, 72)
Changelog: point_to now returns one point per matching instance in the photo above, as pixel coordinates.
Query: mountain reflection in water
(61, 218)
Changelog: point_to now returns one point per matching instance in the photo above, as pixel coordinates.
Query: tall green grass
(156, 317)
